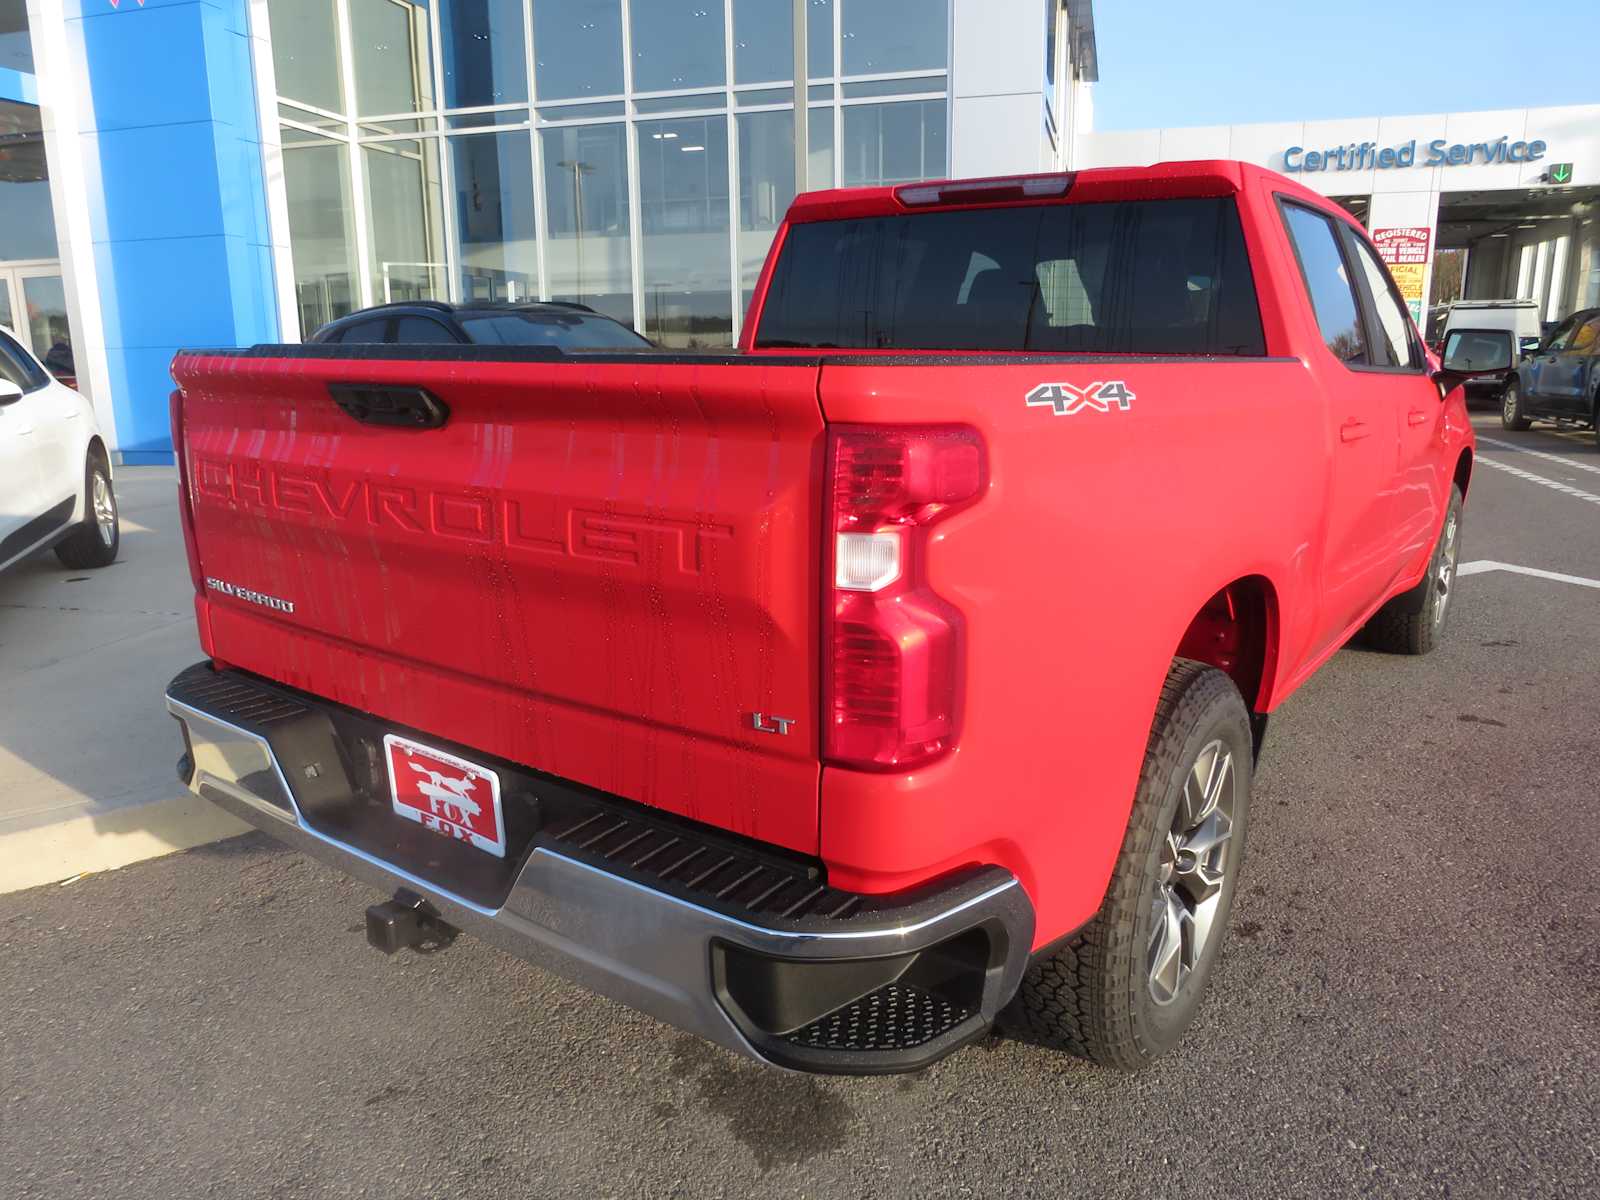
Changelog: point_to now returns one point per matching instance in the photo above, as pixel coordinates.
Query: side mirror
(10, 393)
(1449, 380)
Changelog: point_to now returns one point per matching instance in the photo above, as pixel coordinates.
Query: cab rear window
(1125, 277)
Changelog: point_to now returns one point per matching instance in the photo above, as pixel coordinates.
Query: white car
(55, 473)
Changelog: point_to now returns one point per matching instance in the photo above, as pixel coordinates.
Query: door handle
(390, 404)
(1416, 416)
(1353, 430)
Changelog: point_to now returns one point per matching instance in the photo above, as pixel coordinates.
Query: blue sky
(1224, 62)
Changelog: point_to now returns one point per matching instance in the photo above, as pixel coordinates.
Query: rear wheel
(1125, 988)
(1511, 414)
(1413, 622)
(94, 543)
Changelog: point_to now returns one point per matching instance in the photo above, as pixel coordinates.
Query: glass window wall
(389, 44)
(588, 252)
(451, 202)
(819, 39)
(677, 44)
(578, 48)
(321, 227)
(819, 146)
(763, 40)
(893, 143)
(45, 299)
(16, 47)
(880, 36)
(766, 186)
(497, 254)
(404, 220)
(483, 53)
(305, 52)
(683, 194)
(27, 222)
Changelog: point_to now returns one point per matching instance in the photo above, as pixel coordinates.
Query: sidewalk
(87, 751)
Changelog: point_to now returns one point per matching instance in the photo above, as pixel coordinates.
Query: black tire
(1511, 411)
(89, 545)
(1095, 996)
(1413, 622)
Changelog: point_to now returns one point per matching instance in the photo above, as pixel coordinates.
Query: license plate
(449, 795)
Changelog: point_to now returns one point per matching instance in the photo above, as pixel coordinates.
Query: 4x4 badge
(1068, 399)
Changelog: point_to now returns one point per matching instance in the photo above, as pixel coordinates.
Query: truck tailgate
(601, 569)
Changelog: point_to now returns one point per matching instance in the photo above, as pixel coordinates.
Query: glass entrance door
(33, 304)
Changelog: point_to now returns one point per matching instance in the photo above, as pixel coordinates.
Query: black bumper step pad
(899, 1016)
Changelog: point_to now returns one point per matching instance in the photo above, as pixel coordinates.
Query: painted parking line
(1593, 468)
(1553, 484)
(1484, 565)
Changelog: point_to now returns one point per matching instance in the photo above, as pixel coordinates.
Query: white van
(1495, 334)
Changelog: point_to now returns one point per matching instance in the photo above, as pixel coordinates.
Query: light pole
(579, 169)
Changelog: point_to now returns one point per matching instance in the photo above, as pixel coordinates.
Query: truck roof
(1165, 180)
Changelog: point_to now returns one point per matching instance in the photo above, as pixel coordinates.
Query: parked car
(1560, 381)
(900, 673)
(55, 474)
(552, 323)
(1501, 330)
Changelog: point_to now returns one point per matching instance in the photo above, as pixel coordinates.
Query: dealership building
(224, 172)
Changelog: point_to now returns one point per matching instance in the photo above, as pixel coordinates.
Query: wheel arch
(1236, 630)
(1463, 474)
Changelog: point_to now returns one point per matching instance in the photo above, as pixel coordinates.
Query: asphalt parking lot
(1408, 1002)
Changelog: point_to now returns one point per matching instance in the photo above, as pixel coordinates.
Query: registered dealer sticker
(1068, 399)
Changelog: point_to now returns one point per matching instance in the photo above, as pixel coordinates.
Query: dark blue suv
(560, 324)
(1560, 380)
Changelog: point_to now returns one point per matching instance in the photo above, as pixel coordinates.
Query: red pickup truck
(897, 675)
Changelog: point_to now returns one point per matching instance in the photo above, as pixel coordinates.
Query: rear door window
(1328, 281)
(363, 333)
(563, 330)
(422, 331)
(1140, 277)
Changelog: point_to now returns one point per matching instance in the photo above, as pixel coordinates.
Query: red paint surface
(601, 571)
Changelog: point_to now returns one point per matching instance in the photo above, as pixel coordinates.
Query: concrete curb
(106, 841)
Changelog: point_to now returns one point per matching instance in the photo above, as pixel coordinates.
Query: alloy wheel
(1444, 568)
(1195, 861)
(105, 508)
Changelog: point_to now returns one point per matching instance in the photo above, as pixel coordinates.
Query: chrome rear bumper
(890, 990)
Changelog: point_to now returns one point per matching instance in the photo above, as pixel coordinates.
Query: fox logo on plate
(449, 795)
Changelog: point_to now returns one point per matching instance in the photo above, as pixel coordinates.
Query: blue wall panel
(179, 219)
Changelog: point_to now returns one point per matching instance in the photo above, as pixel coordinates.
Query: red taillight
(185, 511)
(895, 647)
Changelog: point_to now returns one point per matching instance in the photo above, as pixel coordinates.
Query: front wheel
(1413, 622)
(1125, 988)
(94, 543)
(1511, 414)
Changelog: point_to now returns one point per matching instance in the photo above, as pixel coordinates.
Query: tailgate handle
(396, 406)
